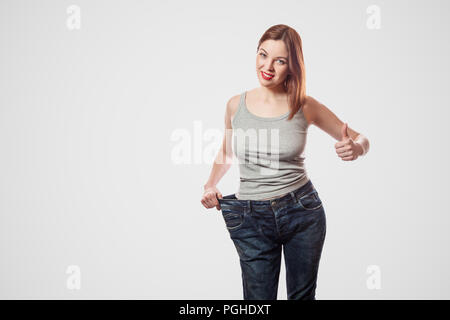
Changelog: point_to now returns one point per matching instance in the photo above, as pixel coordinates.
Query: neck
(272, 94)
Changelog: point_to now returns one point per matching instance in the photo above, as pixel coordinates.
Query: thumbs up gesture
(347, 149)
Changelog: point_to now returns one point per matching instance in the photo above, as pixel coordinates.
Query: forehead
(275, 47)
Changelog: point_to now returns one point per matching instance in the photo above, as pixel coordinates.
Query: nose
(269, 67)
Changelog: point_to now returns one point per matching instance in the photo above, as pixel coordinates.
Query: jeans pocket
(233, 216)
(311, 201)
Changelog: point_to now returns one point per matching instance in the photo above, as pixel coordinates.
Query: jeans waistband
(295, 195)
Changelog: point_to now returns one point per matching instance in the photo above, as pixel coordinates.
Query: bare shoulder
(232, 106)
(310, 109)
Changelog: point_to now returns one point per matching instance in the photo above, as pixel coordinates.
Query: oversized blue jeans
(260, 228)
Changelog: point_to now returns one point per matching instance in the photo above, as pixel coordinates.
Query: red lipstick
(266, 76)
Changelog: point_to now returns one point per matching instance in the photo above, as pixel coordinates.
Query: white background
(88, 175)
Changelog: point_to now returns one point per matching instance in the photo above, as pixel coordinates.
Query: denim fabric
(259, 230)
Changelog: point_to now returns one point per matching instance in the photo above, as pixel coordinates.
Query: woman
(277, 206)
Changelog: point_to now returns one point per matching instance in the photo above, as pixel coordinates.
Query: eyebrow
(277, 57)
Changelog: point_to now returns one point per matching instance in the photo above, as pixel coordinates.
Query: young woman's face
(272, 58)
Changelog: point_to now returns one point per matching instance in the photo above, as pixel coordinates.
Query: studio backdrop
(111, 114)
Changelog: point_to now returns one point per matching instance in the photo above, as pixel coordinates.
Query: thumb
(344, 131)
(218, 196)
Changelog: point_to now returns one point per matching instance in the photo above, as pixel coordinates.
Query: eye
(263, 54)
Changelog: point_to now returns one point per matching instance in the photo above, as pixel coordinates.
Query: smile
(266, 76)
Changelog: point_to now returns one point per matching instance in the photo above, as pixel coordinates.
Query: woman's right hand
(209, 199)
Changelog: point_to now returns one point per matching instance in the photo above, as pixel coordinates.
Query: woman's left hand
(347, 149)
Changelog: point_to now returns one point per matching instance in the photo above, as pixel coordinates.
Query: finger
(342, 143)
(345, 145)
(207, 201)
(346, 153)
(349, 154)
(348, 158)
(215, 198)
(211, 202)
(343, 149)
(219, 196)
(209, 196)
(205, 204)
(344, 132)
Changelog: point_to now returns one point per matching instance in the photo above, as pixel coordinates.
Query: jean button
(273, 203)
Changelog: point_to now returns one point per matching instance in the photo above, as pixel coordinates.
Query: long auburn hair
(294, 84)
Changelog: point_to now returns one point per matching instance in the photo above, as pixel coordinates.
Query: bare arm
(326, 120)
(224, 158)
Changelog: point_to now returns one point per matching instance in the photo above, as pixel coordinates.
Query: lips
(266, 76)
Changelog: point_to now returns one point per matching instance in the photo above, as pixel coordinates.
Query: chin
(268, 85)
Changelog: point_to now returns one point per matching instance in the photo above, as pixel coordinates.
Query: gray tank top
(270, 153)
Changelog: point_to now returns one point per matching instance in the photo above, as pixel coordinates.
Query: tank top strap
(242, 101)
(240, 108)
(242, 104)
(242, 98)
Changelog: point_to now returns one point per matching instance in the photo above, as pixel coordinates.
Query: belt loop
(249, 204)
(293, 196)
